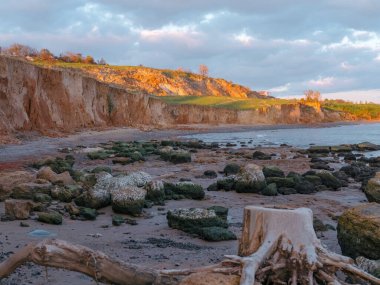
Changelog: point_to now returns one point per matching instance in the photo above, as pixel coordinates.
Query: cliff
(65, 100)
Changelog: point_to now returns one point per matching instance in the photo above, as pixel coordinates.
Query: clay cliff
(48, 100)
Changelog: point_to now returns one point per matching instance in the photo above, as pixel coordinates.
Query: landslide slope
(53, 99)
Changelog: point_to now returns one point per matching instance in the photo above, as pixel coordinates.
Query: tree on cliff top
(312, 96)
(203, 70)
(20, 50)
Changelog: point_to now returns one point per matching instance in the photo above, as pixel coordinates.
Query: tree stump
(278, 246)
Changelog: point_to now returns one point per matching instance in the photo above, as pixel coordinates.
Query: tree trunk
(277, 246)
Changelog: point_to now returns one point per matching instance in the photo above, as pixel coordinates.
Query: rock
(213, 187)
(128, 200)
(314, 179)
(273, 171)
(175, 156)
(155, 191)
(319, 149)
(281, 182)
(216, 234)
(329, 180)
(53, 218)
(98, 155)
(18, 209)
(370, 266)
(319, 226)
(359, 171)
(207, 278)
(259, 155)
(286, 191)
(321, 165)
(88, 214)
(42, 198)
(72, 209)
(341, 148)
(220, 211)
(210, 174)
(24, 225)
(270, 190)
(48, 174)
(364, 146)
(372, 190)
(186, 189)
(250, 179)
(226, 184)
(58, 164)
(231, 169)
(9, 180)
(342, 177)
(194, 219)
(66, 193)
(305, 187)
(28, 190)
(117, 220)
(359, 231)
(99, 169)
(349, 157)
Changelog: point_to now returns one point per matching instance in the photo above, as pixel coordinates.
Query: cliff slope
(52, 100)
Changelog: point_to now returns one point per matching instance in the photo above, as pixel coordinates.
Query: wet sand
(152, 243)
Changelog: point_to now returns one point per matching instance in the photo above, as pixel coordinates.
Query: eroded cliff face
(65, 100)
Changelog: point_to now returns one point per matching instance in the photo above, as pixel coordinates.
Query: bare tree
(20, 50)
(312, 96)
(203, 70)
(45, 54)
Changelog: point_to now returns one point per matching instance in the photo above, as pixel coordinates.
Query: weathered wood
(277, 246)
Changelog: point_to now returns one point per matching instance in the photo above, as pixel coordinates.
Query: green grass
(224, 102)
(369, 111)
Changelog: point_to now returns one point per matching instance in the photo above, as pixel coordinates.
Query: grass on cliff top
(369, 111)
(225, 102)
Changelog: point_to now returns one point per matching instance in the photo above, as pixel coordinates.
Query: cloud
(275, 45)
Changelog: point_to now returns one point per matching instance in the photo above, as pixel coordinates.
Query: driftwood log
(278, 246)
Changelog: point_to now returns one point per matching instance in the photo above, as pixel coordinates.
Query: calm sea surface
(299, 137)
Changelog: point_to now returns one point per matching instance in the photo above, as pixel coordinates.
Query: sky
(284, 46)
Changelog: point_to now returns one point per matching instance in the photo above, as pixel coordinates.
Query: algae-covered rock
(42, 198)
(220, 211)
(117, 220)
(226, 184)
(315, 179)
(186, 189)
(231, 169)
(329, 180)
(88, 213)
(273, 171)
(319, 149)
(372, 189)
(128, 200)
(193, 219)
(99, 169)
(168, 153)
(66, 193)
(155, 191)
(216, 234)
(281, 181)
(359, 231)
(210, 174)
(53, 218)
(270, 190)
(261, 155)
(286, 191)
(250, 179)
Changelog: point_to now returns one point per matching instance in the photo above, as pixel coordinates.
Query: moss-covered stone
(28, 190)
(270, 190)
(194, 219)
(220, 211)
(319, 226)
(329, 180)
(210, 174)
(315, 179)
(261, 155)
(98, 155)
(216, 234)
(41, 198)
(281, 181)
(53, 218)
(99, 169)
(155, 191)
(175, 156)
(117, 220)
(88, 213)
(286, 191)
(305, 187)
(66, 193)
(359, 231)
(231, 169)
(273, 171)
(226, 184)
(186, 189)
(250, 179)
(213, 187)
(128, 200)
(372, 189)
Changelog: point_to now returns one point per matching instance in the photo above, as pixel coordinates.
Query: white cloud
(280, 89)
(244, 38)
(322, 82)
(357, 39)
(208, 18)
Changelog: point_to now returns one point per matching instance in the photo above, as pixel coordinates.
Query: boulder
(9, 180)
(88, 214)
(250, 179)
(329, 180)
(226, 184)
(281, 181)
(372, 189)
(273, 171)
(48, 174)
(42, 198)
(128, 200)
(359, 231)
(155, 191)
(18, 209)
(53, 218)
(210, 174)
(270, 190)
(185, 189)
(66, 193)
(286, 191)
(28, 190)
(367, 146)
(259, 155)
(231, 169)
